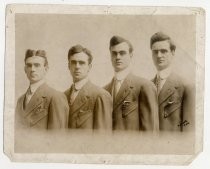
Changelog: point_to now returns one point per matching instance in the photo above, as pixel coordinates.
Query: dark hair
(41, 53)
(115, 40)
(79, 49)
(159, 36)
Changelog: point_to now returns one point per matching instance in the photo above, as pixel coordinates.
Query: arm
(148, 108)
(58, 112)
(103, 112)
(189, 108)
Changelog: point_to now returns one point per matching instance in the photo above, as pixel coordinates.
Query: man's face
(162, 54)
(120, 56)
(35, 68)
(79, 66)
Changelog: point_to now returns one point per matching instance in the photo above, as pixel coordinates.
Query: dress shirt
(163, 75)
(76, 87)
(32, 89)
(120, 77)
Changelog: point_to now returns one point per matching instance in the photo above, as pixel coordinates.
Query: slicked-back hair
(160, 36)
(41, 53)
(115, 40)
(78, 49)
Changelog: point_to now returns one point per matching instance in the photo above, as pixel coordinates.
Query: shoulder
(108, 86)
(97, 91)
(21, 97)
(20, 100)
(67, 92)
(140, 81)
(181, 81)
(53, 93)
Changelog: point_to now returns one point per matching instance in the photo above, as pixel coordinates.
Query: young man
(135, 104)
(175, 97)
(90, 105)
(41, 107)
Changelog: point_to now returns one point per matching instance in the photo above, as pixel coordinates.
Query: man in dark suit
(90, 105)
(175, 96)
(134, 99)
(41, 107)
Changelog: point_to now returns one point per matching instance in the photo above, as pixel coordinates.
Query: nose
(159, 54)
(33, 68)
(77, 65)
(118, 56)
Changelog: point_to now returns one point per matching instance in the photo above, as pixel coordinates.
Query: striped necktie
(28, 97)
(117, 84)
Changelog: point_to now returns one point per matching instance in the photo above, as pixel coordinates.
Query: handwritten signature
(184, 123)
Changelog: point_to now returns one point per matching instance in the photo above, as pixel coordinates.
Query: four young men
(128, 102)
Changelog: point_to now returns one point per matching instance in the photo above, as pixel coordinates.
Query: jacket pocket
(128, 108)
(170, 108)
(83, 116)
(36, 115)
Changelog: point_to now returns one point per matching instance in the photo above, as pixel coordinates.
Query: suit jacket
(176, 105)
(47, 109)
(135, 106)
(91, 108)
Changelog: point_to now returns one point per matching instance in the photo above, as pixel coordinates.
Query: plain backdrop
(56, 33)
(202, 161)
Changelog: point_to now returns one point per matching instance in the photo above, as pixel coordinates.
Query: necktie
(117, 84)
(73, 94)
(28, 96)
(158, 84)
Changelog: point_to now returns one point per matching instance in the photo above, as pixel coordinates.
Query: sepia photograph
(104, 84)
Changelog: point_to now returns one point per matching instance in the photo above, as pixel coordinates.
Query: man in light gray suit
(134, 99)
(176, 97)
(90, 105)
(41, 107)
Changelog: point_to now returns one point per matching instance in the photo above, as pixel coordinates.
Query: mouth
(76, 73)
(118, 62)
(33, 75)
(161, 61)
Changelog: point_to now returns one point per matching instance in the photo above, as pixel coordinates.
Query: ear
(25, 69)
(173, 52)
(46, 68)
(69, 65)
(90, 66)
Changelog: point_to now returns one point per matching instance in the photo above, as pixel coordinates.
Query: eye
(113, 53)
(155, 52)
(122, 52)
(81, 62)
(163, 51)
(73, 62)
(37, 65)
(28, 65)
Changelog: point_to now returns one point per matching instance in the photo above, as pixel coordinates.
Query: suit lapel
(167, 89)
(36, 99)
(21, 109)
(124, 91)
(81, 98)
(109, 86)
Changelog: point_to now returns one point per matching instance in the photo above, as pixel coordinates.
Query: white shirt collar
(163, 74)
(35, 86)
(121, 75)
(78, 85)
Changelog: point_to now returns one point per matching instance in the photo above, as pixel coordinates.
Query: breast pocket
(128, 107)
(173, 103)
(83, 117)
(36, 115)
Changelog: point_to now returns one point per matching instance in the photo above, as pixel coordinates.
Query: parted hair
(160, 36)
(78, 49)
(41, 53)
(115, 40)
